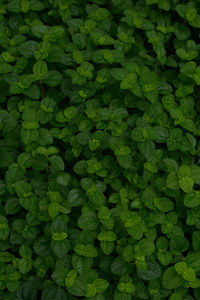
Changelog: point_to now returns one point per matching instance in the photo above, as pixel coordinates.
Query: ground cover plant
(99, 149)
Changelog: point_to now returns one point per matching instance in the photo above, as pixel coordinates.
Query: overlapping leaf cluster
(99, 149)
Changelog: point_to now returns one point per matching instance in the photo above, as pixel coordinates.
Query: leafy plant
(99, 149)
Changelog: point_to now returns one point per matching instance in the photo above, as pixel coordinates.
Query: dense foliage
(99, 149)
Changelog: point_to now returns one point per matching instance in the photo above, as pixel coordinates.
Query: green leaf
(60, 247)
(107, 247)
(52, 292)
(172, 181)
(25, 265)
(100, 284)
(24, 160)
(28, 48)
(78, 289)
(163, 204)
(86, 250)
(41, 246)
(88, 221)
(128, 82)
(189, 274)
(76, 197)
(153, 271)
(40, 70)
(4, 228)
(23, 189)
(196, 240)
(64, 179)
(125, 161)
(192, 199)
(118, 74)
(180, 267)
(12, 206)
(107, 236)
(57, 162)
(171, 280)
(119, 267)
(5, 68)
(186, 184)
(86, 70)
(36, 5)
(90, 291)
(25, 251)
(53, 78)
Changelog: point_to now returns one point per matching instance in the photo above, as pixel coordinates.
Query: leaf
(178, 244)
(86, 250)
(28, 290)
(57, 162)
(12, 206)
(186, 184)
(24, 160)
(4, 228)
(28, 48)
(107, 247)
(36, 5)
(78, 289)
(29, 136)
(60, 247)
(196, 240)
(107, 236)
(25, 265)
(119, 267)
(88, 222)
(64, 179)
(189, 274)
(40, 70)
(129, 81)
(41, 246)
(125, 161)
(171, 280)
(53, 78)
(100, 284)
(25, 251)
(153, 271)
(5, 68)
(163, 204)
(90, 291)
(192, 199)
(54, 293)
(172, 181)
(118, 73)
(23, 189)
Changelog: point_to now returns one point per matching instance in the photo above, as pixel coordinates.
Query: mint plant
(99, 149)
